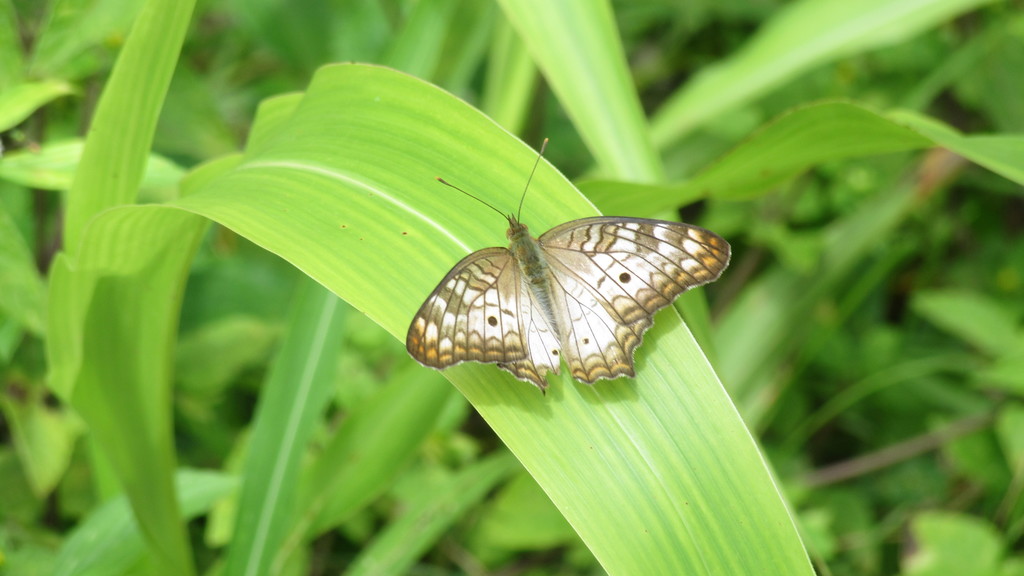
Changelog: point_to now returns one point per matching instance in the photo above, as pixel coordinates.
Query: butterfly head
(516, 229)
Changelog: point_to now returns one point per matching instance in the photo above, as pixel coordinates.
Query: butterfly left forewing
(619, 272)
(482, 311)
(462, 318)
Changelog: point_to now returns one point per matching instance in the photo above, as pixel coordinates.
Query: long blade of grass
(999, 153)
(778, 151)
(576, 45)
(121, 132)
(799, 139)
(803, 35)
(510, 81)
(114, 292)
(297, 390)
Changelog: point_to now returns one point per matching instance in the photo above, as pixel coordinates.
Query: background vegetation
(180, 397)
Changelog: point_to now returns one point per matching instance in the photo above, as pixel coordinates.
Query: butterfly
(584, 291)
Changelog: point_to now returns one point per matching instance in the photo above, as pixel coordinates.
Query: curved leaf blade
(658, 475)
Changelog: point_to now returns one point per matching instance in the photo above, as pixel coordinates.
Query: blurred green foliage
(865, 160)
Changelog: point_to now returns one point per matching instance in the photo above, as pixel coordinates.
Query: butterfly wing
(483, 311)
(613, 274)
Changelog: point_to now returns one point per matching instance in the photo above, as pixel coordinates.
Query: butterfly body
(584, 291)
(526, 251)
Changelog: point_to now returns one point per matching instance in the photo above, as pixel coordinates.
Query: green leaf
(346, 193)
(422, 523)
(22, 291)
(783, 148)
(115, 292)
(113, 315)
(576, 45)
(391, 425)
(950, 543)
(417, 47)
(53, 166)
(798, 38)
(12, 65)
(114, 158)
(999, 153)
(1010, 432)
(520, 517)
(510, 81)
(43, 436)
(19, 102)
(799, 139)
(294, 397)
(976, 319)
(73, 31)
(109, 541)
(1006, 373)
(209, 358)
(271, 117)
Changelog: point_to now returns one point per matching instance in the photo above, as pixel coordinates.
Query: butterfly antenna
(449, 184)
(543, 146)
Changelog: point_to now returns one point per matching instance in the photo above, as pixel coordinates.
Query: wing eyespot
(492, 320)
(625, 277)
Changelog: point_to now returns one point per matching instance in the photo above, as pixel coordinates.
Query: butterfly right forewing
(624, 270)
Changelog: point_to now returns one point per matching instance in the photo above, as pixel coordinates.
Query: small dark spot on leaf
(625, 277)
(17, 392)
(405, 233)
(51, 401)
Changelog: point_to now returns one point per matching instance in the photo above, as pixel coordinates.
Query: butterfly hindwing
(542, 343)
(598, 344)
